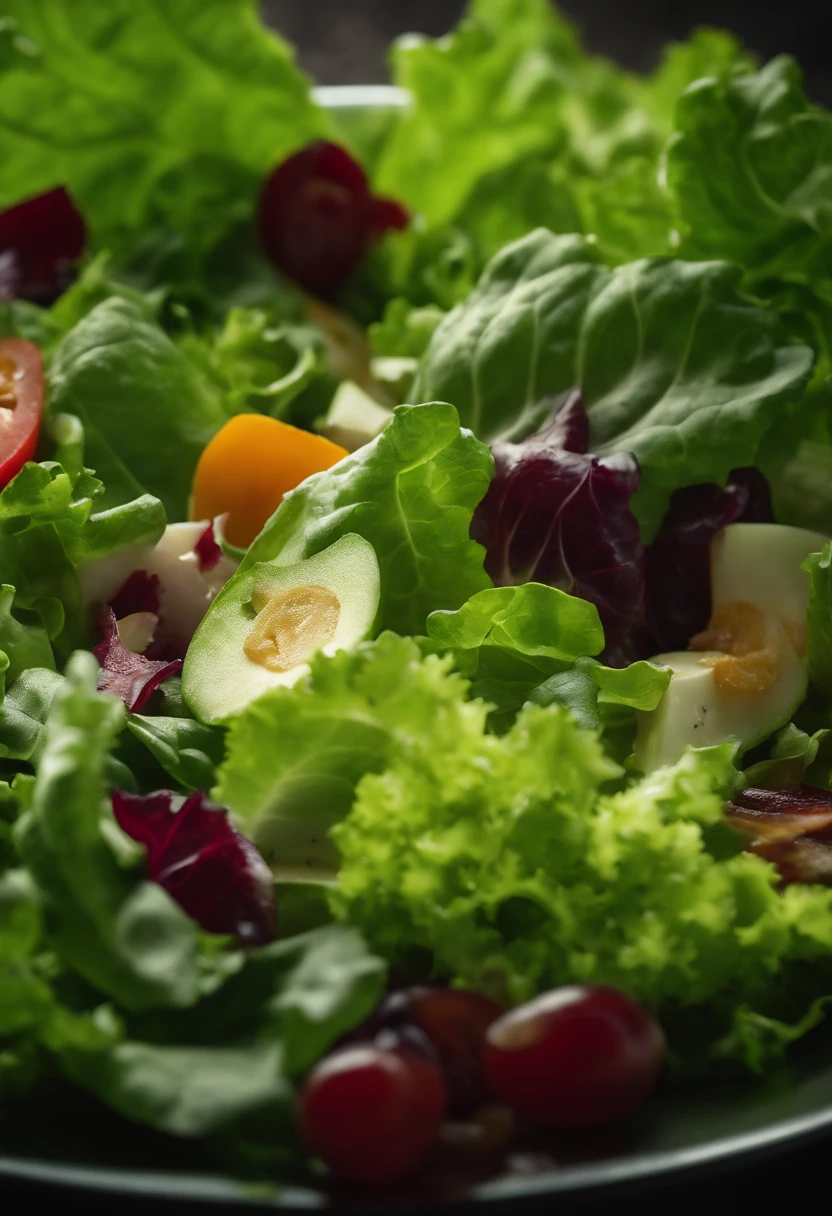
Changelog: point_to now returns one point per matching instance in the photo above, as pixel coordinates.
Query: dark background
(346, 41)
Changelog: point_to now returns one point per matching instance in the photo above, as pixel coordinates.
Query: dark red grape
(318, 217)
(455, 1022)
(372, 1111)
(574, 1058)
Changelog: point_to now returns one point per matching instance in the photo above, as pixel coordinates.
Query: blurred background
(346, 41)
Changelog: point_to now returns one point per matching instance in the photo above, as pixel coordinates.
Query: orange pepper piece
(249, 466)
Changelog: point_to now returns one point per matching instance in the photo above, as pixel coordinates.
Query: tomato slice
(21, 404)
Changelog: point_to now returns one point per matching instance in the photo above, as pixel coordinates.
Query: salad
(415, 584)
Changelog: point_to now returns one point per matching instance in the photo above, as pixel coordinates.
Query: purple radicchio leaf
(40, 241)
(208, 552)
(212, 871)
(678, 561)
(140, 592)
(129, 676)
(558, 515)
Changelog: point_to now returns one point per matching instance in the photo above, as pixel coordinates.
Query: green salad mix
(433, 441)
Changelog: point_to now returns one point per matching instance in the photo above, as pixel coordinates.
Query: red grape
(372, 1112)
(455, 1022)
(574, 1058)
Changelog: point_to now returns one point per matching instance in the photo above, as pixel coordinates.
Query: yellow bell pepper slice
(249, 466)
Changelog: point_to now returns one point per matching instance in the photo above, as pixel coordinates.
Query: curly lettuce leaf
(674, 364)
(505, 859)
(176, 112)
(295, 756)
(51, 520)
(411, 493)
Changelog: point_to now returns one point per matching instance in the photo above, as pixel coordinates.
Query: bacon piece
(212, 871)
(790, 828)
(129, 676)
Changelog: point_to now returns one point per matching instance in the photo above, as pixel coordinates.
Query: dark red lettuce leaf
(562, 517)
(208, 552)
(318, 218)
(678, 561)
(212, 871)
(790, 828)
(569, 428)
(40, 239)
(132, 677)
(140, 592)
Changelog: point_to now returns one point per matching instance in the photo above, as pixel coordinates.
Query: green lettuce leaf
(260, 362)
(147, 412)
(796, 758)
(411, 493)
(27, 999)
(819, 620)
(508, 640)
(404, 331)
(225, 1065)
(605, 698)
(188, 751)
(483, 97)
(23, 638)
(50, 522)
(24, 712)
(176, 113)
(750, 170)
(124, 935)
(295, 756)
(506, 861)
(185, 1090)
(674, 364)
(532, 644)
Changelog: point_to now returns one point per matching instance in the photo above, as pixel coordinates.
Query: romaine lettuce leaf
(411, 493)
(674, 364)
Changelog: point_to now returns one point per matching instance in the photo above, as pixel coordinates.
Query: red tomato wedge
(21, 404)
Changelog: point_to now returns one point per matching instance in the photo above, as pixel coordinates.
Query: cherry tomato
(21, 404)
(372, 1111)
(574, 1058)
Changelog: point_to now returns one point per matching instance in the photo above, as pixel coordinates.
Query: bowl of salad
(415, 609)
